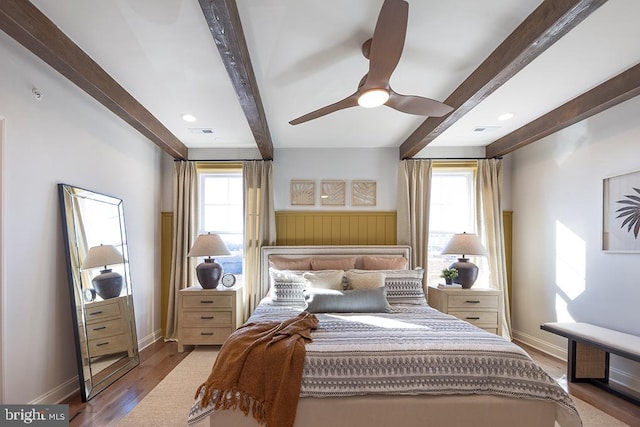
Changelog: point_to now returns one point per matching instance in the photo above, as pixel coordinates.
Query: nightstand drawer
(473, 301)
(199, 319)
(105, 328)
(108, 345)
(205, 335)
(477, 317)
(101, 310)
(207, 301)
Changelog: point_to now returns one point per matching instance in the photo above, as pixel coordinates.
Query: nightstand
(480, 306)
(108, 327)
(208, 316)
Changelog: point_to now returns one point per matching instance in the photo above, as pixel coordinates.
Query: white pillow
(325, 279)
(368, 280)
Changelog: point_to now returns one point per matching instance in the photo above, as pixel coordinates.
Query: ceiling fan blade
(387, 42)
(350, 101)
(417, 105)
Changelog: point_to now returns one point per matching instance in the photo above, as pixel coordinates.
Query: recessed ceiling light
(189, 118)
(505, 116)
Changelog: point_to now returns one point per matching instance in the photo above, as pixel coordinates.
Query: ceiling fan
(383, 52)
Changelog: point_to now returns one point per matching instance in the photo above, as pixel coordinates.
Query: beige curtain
(185, 213)
(259, 228)
(491, 228)
(414, 194)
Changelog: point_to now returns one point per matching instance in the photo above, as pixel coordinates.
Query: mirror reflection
(100, 287)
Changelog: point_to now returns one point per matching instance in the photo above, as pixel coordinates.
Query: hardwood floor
(160, 358)
(617, 407)
(111, 405)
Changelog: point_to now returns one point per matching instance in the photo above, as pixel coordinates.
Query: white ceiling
(306, 54)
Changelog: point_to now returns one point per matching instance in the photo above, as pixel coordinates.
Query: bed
(394, 362)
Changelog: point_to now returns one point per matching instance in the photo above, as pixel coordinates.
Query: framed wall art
(332, 192)
(363, 193)
(621, 213)
(303, 192)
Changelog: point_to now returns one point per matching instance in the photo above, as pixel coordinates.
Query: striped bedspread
(416, 350)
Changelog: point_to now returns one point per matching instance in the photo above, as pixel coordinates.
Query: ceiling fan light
(373, 98)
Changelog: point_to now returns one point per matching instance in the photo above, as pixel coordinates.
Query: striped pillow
(403, 286)
(287, 286)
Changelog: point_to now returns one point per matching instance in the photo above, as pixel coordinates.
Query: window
(452, 210)
(221, 210)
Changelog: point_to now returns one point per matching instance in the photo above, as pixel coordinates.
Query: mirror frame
(94, 374)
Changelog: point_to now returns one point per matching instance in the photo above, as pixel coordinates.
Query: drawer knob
(99, 328)
(472, 302)
(95, 313)
(206, 317)
(102, 343)
(206, 301)
(472, 318)
(206, 333)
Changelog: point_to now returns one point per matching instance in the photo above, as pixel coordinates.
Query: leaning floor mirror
(100, 287)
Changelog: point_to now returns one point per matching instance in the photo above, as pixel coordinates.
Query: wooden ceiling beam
(546, 25)
(32, 29)
(224, 23)
(620, 88)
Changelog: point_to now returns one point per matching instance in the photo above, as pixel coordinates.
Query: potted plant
(449, 274)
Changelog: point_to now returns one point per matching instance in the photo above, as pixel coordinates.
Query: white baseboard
(541, 345)
(58, 394)
(149, 339)
(617, 376)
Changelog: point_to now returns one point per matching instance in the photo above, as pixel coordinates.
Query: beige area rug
(168, 404)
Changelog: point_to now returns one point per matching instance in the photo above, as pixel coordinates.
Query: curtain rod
(224, 161)
(454, 158)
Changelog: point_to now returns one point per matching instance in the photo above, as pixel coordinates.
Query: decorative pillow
(403, 286)
(384, 263)
(351, 301)
(333, 263)
(286, 263)
(325, 279)
(357, 279)
(287, 286)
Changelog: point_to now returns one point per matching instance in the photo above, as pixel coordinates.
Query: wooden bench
(588, 349)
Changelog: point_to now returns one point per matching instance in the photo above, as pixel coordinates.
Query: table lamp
(465, 244)
(209, 272)
(108, 284)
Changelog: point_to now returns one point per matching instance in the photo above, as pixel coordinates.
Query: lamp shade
(209, 271)
(465, 244)
(101, 256)
(208, 245)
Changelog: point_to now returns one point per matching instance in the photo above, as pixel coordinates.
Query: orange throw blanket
(259, 370)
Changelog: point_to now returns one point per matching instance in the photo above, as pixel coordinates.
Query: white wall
(66, 137)
(379, 164)
(559, 270)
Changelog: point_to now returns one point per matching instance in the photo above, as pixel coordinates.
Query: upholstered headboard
(331, 252)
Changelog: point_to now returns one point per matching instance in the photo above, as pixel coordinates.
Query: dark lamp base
(467, 272)
(209, 273)
(108, 284)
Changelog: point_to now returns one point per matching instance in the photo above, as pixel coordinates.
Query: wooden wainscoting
(294, 228)
(166, 246)
(507, 222)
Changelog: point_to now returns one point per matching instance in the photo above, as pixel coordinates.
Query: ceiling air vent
(485, 128)
(201, 131)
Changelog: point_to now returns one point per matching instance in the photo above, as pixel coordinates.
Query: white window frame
(221, 169)
(436, 261)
